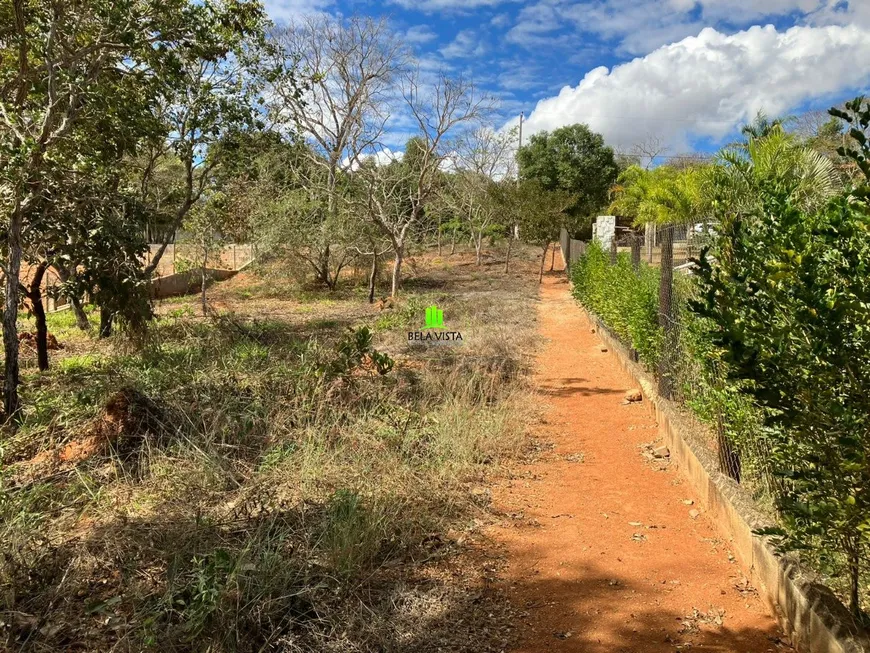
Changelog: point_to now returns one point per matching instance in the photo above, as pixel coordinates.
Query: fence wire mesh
(648, 307)
(685, 368)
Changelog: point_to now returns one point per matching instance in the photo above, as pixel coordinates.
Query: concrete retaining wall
(812, 617)
(186, 282)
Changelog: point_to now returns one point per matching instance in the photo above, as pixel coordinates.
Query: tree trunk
(478, 248)
(106, 320)
(543, 261)
(75, 302)
(324, 266)
(553, 258)
(397, 270)
(158, 256)
(507, 258)
(34, 294)
(853, 553)
(78, 310)
(373, 276)
(439, 237)
(453, 242)
(10, 315)
(202, 289)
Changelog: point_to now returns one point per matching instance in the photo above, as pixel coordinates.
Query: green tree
(58, 62)
(789, 297)
(762, 126)
(540, 213)
(788, 294)
(574, 160)
(216, 92)
(104, 70)
(206, 226)
(856, 114)
(778, 159)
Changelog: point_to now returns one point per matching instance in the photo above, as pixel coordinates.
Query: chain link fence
(683, 362)
(689, 373)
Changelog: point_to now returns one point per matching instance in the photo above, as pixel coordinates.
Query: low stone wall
(186, 282)
(809, 613)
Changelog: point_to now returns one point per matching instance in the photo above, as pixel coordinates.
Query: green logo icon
(434, 318)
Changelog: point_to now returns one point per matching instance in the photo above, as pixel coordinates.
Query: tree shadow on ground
(587, 611)
(573, 386)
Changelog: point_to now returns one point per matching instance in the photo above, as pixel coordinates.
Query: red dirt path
(603, 555)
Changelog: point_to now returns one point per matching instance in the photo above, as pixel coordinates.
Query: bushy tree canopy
(575, 160)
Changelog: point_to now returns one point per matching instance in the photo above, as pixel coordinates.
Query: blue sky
(685, 72)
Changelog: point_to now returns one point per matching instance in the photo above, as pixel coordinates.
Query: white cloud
(419, 34)
(837, 12)
(458, 6)
(500, 20)
(282, 11)
(381, 157)
(466, 44)
(705, 86)
(736, 11)
(536, 19)
(641, 41)
(643, 25)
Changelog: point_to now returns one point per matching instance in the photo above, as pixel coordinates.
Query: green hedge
(625, 299)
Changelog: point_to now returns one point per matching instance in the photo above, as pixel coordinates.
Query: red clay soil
(604, 552)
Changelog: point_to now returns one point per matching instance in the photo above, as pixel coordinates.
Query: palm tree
(630, 192)
(808, 177)
(662, 196)
(763, 126)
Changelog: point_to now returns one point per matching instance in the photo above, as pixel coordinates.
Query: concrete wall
(229, 257)
(604, 230)
(186, 282)
(809, 613)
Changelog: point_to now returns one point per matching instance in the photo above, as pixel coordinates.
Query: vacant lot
(287, 473)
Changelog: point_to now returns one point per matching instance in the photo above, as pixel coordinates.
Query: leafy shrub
(773, 352)
(625, 299)
(789, 298)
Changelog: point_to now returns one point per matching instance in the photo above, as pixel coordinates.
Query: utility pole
(521, 134)
(520, 145)
(516, 226)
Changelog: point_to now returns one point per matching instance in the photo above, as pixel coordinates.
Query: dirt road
(606, 552)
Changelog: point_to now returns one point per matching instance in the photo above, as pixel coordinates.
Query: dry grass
(238, 483)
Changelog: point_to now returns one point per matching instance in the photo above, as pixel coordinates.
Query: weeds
(231, 485)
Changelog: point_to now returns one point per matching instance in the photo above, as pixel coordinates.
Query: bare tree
(469, 196)
(648, 150)
(481, 156)
(487, 152)
(398, 192)
(351, 64)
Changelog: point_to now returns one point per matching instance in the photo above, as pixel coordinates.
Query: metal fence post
(635, 250)
(667, 314)
(650, 241)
